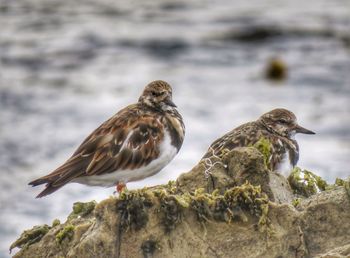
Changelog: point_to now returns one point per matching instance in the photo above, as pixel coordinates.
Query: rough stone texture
(240, 165)
(340, 252)
(318, 227)
(326, 220)
(247, 164)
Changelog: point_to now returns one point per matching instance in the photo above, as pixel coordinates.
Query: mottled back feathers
(128, 140)
(278, 126)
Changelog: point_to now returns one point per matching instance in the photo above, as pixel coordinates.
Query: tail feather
(38, 181)
(73, 168)
(48, 190)
(49, 187)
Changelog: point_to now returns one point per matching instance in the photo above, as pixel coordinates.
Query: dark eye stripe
(157, 94)
(282, 121)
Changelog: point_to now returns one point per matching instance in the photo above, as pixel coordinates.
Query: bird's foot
(119, 188)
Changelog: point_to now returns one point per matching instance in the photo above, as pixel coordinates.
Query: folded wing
(126, 141)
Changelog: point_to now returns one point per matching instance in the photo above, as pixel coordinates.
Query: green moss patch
(306, 183)
(250, 198)
(172, 205)
(234, 205)
(81, 209)
(202, 203)
(264, 146)
(296, 202)
(172, 212)
(66, 233)
(30, 236)
(132, 207)
(341, 182)
(56, 222)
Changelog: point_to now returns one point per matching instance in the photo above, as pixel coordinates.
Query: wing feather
(139, 147)
(128, 140)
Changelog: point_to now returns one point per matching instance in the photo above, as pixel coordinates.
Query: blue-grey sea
(66, 66)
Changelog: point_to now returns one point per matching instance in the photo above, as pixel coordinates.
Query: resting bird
(278, 126)
(135, 143)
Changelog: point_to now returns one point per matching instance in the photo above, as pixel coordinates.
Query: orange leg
(119, 187)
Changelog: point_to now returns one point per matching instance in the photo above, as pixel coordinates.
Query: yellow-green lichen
(230, 206)
(264, 146)
(56, 222)
(66, 233)
(172, 212)
(132, 207)
(296, 202)
(30, 236)
(170, 191)
(172, 205)
(201, 203)
(339, 182)
(343, 183)
(250, 198)
(306, 183)
(81, 209)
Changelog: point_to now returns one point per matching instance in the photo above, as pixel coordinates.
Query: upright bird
(135, 143)
(278, 126)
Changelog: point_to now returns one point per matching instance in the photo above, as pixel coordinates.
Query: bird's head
(283, 122)
(158, 94)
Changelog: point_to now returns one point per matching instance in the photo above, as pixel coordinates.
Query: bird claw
(119, 188)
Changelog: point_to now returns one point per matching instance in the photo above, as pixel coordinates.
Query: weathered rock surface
(188, 219)
(240, 165)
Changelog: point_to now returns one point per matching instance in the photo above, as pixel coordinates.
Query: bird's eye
(156, 94)
(282, 121)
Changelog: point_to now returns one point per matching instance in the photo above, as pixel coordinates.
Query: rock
(305, 183)
(239, 165)
(82, 209)
(326, 220)
(30, 236)
(339, 252)
(240, 209)
(247, 164)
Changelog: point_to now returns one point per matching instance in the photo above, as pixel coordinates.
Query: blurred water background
(66, 66)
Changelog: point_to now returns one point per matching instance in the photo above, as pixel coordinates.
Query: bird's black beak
(169, 102)
(300, 129)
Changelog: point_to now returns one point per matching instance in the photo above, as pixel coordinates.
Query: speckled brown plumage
(128, 141)
(278, 126)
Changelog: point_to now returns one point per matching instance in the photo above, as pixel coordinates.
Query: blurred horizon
(67, 66)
